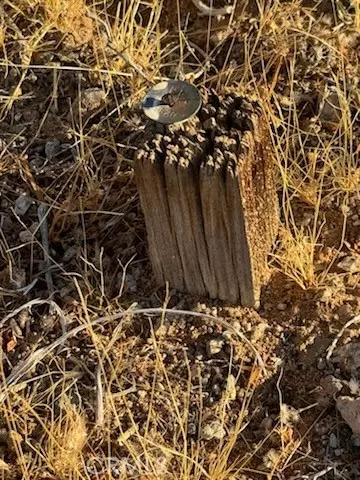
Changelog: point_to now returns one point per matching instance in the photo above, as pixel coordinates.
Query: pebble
(92, 99)
(70, 253)
(216, 389)
(227, 334)
(209, 124)
(142, 394)
(4, 435)
(356, 440)
(247, 326)
(22, 204)
(321, 364)
(345, 209)
(307, 219)
(331, 385)
(347, 358)
(338, 452)
(214, 429)
(236, 325)
(333, 441)
(231, 388)
(349, 409)
(282, 306)
(161, 331)
(52, 148)
(266, 425)
(26, 237)
(201, 307)
(215, 346)
(350, 264)
(331, 110)
(258, 332)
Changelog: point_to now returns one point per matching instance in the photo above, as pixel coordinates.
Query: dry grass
(70, 446)
(125, 47)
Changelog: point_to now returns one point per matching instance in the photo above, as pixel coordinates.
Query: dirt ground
(93, 366)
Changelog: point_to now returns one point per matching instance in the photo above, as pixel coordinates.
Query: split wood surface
(208, 195)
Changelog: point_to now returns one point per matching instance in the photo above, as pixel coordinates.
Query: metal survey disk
(172, 101)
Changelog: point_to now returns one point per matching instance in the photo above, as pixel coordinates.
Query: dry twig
(210, 11)
(30, 304)
(332, 347)
(33, 359)
(99, 414)
(42, 215)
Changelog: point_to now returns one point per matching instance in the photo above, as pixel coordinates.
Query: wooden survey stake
(209, 199)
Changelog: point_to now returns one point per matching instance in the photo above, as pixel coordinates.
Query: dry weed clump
(144, 398)
(66, 440)
(156, 422)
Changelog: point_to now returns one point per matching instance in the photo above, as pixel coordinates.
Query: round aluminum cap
(172, 101)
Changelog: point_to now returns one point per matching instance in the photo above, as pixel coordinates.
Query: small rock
(191, 429)
(215, 346)
(266, 425)
(52, 148)
(348, 356)
(307, 219)
(354, 386)
(48, 322)
(26, 237)
(18, 277)
(282, 306)
(333, 441)
(344, 312)
(214, 429)
(16, 330)
(210, 123)
(258, 332)
(355, 440)
(350, 264)
(36, 163)
(69, 300)
(131, 282)
(231, 388)
(349, 409)
(70, 253)
(4, 434)
(321, 364)
(338, 452)
(161, 331)
(216, 389)
(92, 99)
(331, 110)
(22, 204)
(201, 307)
(142, 394)
(345, 209)
(23, 318)
(331, 385)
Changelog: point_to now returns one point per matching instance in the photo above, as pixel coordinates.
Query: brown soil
(98, 247)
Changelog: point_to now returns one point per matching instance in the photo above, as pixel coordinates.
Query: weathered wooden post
(208, 195)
